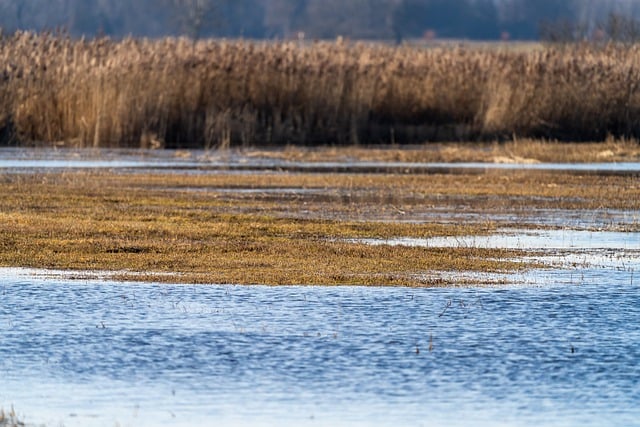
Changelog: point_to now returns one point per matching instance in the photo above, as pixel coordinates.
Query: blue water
(97, 353)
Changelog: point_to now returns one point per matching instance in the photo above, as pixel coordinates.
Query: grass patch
(183, 228)
(517, 151)
(103, 221)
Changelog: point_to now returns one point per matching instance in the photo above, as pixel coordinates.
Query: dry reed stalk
(174, 93)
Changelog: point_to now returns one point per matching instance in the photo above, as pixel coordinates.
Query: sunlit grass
(94, 222)
(518, 151)
(180, 225)
(172, 92)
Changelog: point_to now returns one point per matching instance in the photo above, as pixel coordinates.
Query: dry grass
(172, 92)
(518, 151)
(354, 196)
(10, 419)
(191, 228)
(109, 222)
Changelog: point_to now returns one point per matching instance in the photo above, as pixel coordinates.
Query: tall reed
(177, 93)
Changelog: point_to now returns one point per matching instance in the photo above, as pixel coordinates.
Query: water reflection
(96, 353)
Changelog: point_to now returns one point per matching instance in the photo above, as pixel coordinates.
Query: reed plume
(174, 92)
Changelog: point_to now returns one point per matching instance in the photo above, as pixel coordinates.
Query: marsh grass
(10, 419)
(155, 227)
(174, 93)
(515, 151)
(82, 222)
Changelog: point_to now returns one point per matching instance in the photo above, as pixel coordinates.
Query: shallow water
(575, 218)
(562, 239)
(24, 159)
(566, 248)
(91, 353)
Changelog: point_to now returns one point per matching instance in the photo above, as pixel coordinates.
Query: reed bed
(174, 92)
(10, 419)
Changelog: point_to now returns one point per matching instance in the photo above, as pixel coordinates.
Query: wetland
(191, 217)
(435, 285)
(205, 282)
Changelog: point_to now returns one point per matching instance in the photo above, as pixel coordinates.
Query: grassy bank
(518, 151)
(174, 93)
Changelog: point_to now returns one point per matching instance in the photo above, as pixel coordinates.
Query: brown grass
(517, 151)
(191, 228)
(172, 92)
(128, 224)
(10, 419)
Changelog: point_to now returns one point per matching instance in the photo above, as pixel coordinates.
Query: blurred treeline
(316, 19)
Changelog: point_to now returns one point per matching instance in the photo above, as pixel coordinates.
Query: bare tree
(280, 16)
(621, 28)
(194, 15)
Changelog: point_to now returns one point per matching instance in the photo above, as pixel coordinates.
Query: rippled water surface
(561, 353)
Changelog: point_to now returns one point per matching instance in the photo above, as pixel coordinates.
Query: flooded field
(489, 294)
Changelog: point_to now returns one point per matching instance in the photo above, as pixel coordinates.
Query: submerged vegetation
(180, 93)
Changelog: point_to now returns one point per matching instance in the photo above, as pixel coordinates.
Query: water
(29, 160)
(574, 218)
(34, 160)
(584, 254)
(561, 239)
(95, 353)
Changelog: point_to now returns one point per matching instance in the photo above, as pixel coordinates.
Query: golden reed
(177, 93)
